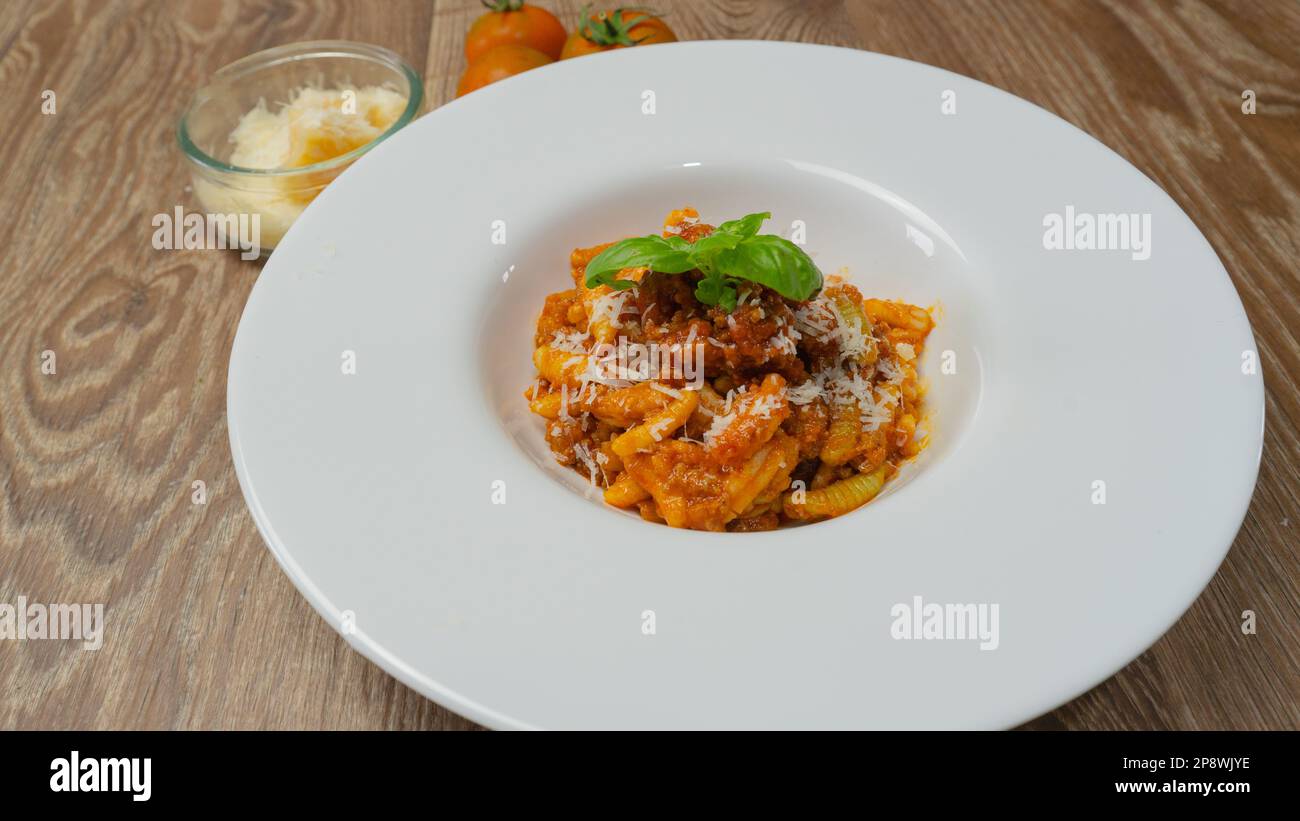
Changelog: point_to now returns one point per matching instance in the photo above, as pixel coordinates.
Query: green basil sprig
(733, 254)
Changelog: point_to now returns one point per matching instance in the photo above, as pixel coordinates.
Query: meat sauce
(792, 411)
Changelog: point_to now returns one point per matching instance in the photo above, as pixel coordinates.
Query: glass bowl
(279, 196)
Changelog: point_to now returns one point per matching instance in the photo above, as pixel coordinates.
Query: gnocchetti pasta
(755, 412)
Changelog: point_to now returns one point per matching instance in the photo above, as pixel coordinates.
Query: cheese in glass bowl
(270, 131)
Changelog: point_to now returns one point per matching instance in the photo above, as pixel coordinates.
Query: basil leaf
(727, 299)
(734, 253)
(715, 242)
(772, 261)
(746, 226)
(716, 290)
(706, 249)
(654, 252)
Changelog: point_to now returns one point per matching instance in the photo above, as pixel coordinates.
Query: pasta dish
(711, 378)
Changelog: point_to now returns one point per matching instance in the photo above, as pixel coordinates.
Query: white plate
(374, 489)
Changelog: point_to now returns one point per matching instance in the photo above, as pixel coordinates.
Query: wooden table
(98, 459)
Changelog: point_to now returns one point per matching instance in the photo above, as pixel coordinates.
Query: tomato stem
(503, 5)
(613, 29)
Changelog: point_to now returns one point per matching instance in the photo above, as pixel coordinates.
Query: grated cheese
(608, 307)
(763, 406)
(852, 341)
(805, 393)
(572, 341)
(658, 428)
(720, 424)
(787, 341)
(814, 319)
(877, 412)
(890, 370)
(312, 127)
(583, 453)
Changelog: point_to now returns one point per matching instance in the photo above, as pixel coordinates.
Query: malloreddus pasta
(755, 394)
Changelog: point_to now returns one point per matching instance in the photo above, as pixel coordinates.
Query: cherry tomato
(619, 28)
(497, 64)
(514, 22)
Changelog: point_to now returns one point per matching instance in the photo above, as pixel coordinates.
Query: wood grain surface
(205, 631)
